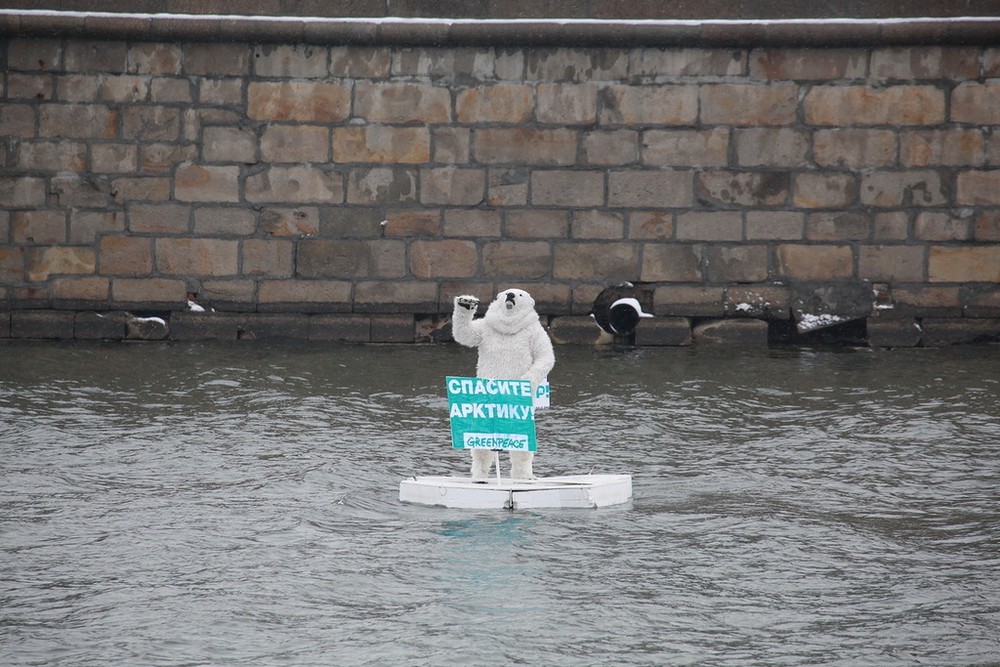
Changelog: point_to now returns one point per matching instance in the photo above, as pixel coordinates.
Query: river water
(206, 504)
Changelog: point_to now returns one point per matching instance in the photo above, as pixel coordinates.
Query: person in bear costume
(512, 345)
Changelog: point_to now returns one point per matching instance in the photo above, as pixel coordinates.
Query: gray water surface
(202, 504)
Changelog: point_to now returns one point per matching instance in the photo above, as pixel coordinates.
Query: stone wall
(350, 191)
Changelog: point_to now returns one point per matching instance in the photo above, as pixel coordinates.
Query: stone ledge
(578, 32)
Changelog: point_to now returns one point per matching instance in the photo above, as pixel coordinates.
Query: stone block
(381, 185)
(358, 62)
(125, 88)
(517, 259)
(656, 62)
(42, 324)
(924, 62)
(306, 296)
(232, 221)
(231, 294)
(290, 61)
(981, 301)
(381, 144)
(11, 264)
(38, 226)
(80, 291)
(158, 218)
(735, 263)
(341, 328)
(891, 263)
(329, 258)
(22, 191)
(743, 189)
(824, 190)
(854, 148)
(671, 262)
(188, 325)
(456, 186)
(815, 262)
(768, 302)
(31, 87)
(151, 123)
(4, 324)
(940, 332)
(231, 144)
(771, 147)
(891, 226)
(651, 225)
(154, 58)
(894, 332)
(950, 147)
(537, 224)
(525, 146)
(217, 59)
(986, 226)
(979, 188)
(568, 64)
(125, 255)
(170, 91)
(78, 121)
(838, 226)
(817, 306)
(893, 189)
(807, 64)
(478, 223)
(686, 148)
(199, 183)
(18, 120)
(197, 257)
(921, 301)
(566, 103)
(649, 105)
(295, 143)
(392, 329)
(35, 54)
(963, 264)
(774, 226)
(149, 293)
(295, 185)
(942, 226)
(159, 158)
(452, 145)
(43, 262)
(709, 226)
(596, 261)
(663, 331)
(273, 258)
(302, 101)
(85, 191)
(976, 103)
(402, 102)
(507, 187)
(742, 333)
(99, 326)
(749, 104)
(499, 103)
(380, 296)
(610, 147)
(114, 158)
(407, 223)
(567, 188)
(577, 330)
(596, 224)
(51, 156)
(868, 105)
(449, 258)
(650, 189)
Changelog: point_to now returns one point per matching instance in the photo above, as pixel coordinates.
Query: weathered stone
(302, 221)
(124, 88)
(298, 101)
(455, 186)
(392, 328)
(343, 328)
(651, 225)
(749, 104)
(577, 330)
(11, 265)
(517, 259)
(819, 306)
(299, 61)
(854, 148)
(158, 158)
(274, 258)
(226, 221)
(865, 105)
(395, 296)
(35, 54)
(198, 183)
(750, 189)
(894, 332)
(596, 261)
(775, 226)
(381, 144)
(51, 156)
(524, 145)
(126, 255)
(979, 188)
(575, 64)
(921, 301)
(22, 191)
(499, 103)
(807, 64)
(197, 257)
(986, 226)
(656, 62)
(838, 226)
(663, 331)
(452, 145)
(891, 263)
(771, 147)
(815, 262)
(402, 102)
(649, 105)
(158, 218)
(537, 224)
(671, 262)
(610, 147)
(149, 293)
(478, 223)
(360, 62)
(940, 226)
(939, 332)
(296, 185)
(507, 187)
(228, 293)
(824, 190)
(153, 58)
(903, 188)
(18, 120)
(295, 143)
(976, 103)
(381, 185)
(80, 291)
(41, 324)
(99, 326)
(40, 226)
(959, 264)
(308, 296)
(924, 62)
(45, 261)
(170, 91)
(596, 224)
(217, 59)
(566, 104)
(650, 189)
(114, 158)
(738, 264)
(407, 223)
(686, 148)
(567, 188)
(146, 328)
(743, 333)
(951, 147)
(709, 226)
(229, 144)
(770, 302)
(81, 121)
(153, 123)
(79, 190)
(891, 226)
(326, 258)
(126, 190)
(449, 258)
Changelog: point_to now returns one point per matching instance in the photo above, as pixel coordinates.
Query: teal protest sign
(491, 414)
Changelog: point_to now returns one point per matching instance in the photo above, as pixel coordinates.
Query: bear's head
(511, 311)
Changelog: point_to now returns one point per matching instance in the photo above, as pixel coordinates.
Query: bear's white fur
(512, 345)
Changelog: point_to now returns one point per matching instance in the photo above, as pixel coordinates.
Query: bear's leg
(482, 461)
(520, 465)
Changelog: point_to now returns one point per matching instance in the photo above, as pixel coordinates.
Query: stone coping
(967, 30)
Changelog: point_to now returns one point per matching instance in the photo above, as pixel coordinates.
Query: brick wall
(362, 187)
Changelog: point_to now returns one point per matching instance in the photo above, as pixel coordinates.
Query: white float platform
(569, 491)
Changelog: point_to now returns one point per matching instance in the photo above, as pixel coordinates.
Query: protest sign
(491, 414)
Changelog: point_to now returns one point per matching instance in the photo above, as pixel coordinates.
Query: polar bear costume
(512, 346)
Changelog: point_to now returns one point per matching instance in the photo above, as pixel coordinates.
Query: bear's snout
(510, 300)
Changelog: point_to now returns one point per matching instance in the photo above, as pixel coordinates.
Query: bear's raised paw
(467, 302)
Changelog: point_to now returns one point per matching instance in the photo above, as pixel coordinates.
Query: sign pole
(496, 459)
